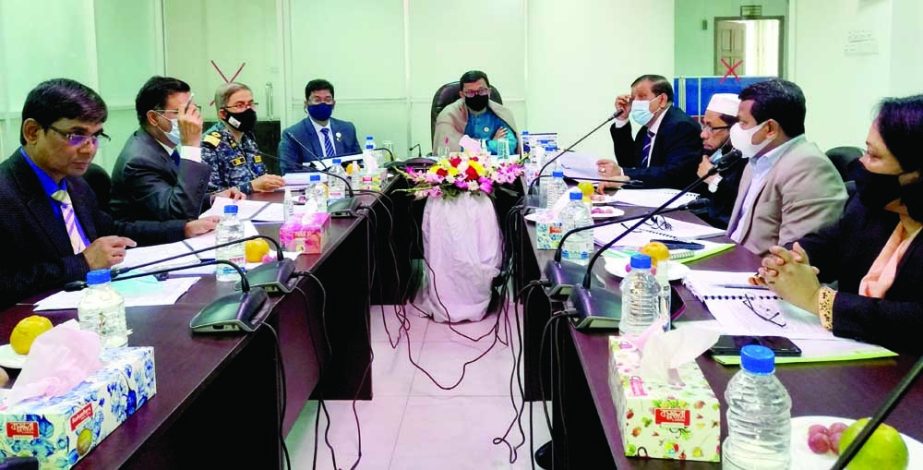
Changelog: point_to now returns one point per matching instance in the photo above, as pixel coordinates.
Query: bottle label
(671, 416)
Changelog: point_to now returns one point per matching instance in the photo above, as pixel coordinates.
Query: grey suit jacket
(802, 193)
(147, 185)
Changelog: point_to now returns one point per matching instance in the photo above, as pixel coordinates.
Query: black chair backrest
(844, 159)
(446, 95)
(100, 183)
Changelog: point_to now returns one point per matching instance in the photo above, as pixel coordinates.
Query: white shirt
(759, 167)
(320, 137)
(653, 127)
(185, 151)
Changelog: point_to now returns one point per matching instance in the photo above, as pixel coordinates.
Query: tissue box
(660, 420)
(305, 235)
(548, 231)
(60, 430)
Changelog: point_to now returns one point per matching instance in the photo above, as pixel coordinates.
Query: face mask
(243, 121)
(715, 155)
(641, 112)
(320, 112)
(173, 135)
(477, 103)
(875, 190)
(741, 140)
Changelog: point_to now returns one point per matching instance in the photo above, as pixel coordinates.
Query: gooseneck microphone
(568, 149)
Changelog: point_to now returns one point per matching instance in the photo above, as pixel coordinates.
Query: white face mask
(641, 112)
(741, 140)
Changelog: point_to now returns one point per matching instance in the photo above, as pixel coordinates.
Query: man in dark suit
(52, 227)
(719, 116)
(159, 174)
(667, 149)
(317, 136)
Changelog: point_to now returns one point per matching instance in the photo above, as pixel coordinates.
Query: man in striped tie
(666, 151)
(52, 228)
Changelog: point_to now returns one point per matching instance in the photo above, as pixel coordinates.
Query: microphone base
(343, 208)
(563, 276)
(272, 277)
(597, 310)
(232, 313)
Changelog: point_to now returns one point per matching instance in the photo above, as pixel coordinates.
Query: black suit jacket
(299, 143)
(37, 252)
(147, 185)
(674, 158)
(718, 212)
(844, 252)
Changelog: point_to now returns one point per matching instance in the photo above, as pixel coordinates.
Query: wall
(694, 46)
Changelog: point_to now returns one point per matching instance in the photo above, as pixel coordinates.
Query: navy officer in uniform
(228, 147)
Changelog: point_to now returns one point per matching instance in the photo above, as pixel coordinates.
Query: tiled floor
(413, 424)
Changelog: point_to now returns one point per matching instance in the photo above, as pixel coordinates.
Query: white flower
(473, 186)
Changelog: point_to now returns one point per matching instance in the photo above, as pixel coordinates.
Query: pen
(741, 286)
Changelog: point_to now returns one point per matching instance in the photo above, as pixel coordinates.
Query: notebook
(725, 285)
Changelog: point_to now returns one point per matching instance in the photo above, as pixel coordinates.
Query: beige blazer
(453, 118)
(802, 193)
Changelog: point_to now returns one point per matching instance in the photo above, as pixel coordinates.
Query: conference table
(583, 403)
(218, 402)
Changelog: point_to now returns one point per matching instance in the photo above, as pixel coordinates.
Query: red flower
(454, 161)
(474, 159)
(442, 172)
(472, 174)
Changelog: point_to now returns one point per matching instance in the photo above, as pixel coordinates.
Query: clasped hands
(790, 275)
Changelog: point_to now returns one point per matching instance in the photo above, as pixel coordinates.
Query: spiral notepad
(715, 285)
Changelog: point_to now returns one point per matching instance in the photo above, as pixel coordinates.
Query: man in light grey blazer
(789, 187)
(159, 174)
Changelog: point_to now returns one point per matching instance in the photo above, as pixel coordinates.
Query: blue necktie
(175, 157)
(328, 145)
(646, 149)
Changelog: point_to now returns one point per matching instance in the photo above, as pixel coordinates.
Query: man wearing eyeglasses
(229, 147)
(474, 114)
(52, 228)
(319, 135)
(719, 116)
(159, 174)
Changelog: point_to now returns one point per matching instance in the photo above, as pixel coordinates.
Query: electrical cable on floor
(281, 392)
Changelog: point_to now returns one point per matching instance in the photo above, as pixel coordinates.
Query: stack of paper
(652, 197)
(141, 292)
(668, 228)
(246, 210)
(147, 254)
(718, 285)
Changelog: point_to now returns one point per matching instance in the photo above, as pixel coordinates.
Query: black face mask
(243, 121)
(477, 102)
(876, 191)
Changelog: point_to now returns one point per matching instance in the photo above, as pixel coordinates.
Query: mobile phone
(731, 345)
(681, 245)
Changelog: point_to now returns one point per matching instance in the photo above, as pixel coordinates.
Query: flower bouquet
(459, 174)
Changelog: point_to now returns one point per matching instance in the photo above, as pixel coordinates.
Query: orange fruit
(254, 250)
(25, 332)
(657, 251)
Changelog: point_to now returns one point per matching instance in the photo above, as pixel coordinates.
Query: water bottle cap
(576, 195)
(757, 359)
(557, 174)
(368, 137)
(230, 209)
(640, 261)
(313, 177)
(98, 276)
(337, 161)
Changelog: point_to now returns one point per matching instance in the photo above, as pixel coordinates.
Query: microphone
(609, 303)
(344, 207)
(419, 150)
(273, 277)
(230, 313)
(568, 149)
(563, 277)
(390, 153)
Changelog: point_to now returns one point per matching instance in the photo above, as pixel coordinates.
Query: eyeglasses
(328, 100)
(658, 222)
(78, 140)
(241, 107)
(765, 313)
(473, 93)
(163, 112)
(709, 129)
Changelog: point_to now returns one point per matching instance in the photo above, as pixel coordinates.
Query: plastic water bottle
(666, 293)
(229, 229)
(579, 245)
(369, 159)
(640, 297)
(316, 193)
(524, 141)
(336, 186)
(102, 310)
(759, 415)
(288, 205)
(553, 189)
(355, 175)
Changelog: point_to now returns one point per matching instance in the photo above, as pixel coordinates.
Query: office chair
(101, 184)
(844, 158)
(446, 95)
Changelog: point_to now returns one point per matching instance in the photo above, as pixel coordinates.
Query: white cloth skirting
(462, 245)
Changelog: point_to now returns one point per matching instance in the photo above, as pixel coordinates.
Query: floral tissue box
(548, 231)
(305, 235)
(60, 430)
(662, 420)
